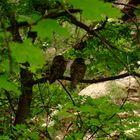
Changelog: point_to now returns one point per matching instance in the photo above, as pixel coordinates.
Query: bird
(57, 68)
(77, 72)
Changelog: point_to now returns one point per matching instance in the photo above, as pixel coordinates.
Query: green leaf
(7, 85)
(33, 135)
(92, 121)
(31, 19)
(79, 135)
(47, 27)
(5, 138)
(5, 66)
(95, 9)
(26, 52)
(86, 109)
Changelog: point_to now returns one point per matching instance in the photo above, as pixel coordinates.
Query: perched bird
(78, 69)
(57, 69)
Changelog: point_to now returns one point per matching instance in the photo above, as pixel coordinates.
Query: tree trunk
(25, 98)
(26, 78)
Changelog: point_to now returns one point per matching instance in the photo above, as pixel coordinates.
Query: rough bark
(26, 78)
(26, 96)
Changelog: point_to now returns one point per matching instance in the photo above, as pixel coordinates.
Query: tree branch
(53, 15)
(10, 101)
(44, 79)
(124, 4)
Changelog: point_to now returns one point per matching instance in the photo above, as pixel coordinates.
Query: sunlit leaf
(7, 85)
(26, 52)
(31, 19)
(47, 27)
(96, 9)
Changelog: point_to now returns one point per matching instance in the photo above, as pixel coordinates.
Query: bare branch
(53, 15)
(128, 5)
(44, 79)
(10, 101)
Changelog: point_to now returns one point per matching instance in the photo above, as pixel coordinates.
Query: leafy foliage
(22, 53)
(55, 110)
(50, 26)
(100, 9)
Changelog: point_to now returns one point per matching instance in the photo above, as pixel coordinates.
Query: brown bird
(57, 69)
(78, 69)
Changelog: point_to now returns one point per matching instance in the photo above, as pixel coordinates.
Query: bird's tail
(73, 84)
(51, 79)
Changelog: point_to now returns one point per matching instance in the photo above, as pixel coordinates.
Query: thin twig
(67, 92)
(127, 5)
(78, 114)
(10, 101)
(45, 108)
(137, 26)
(67, 130)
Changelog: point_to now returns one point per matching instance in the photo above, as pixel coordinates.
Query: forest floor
(119, 90)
